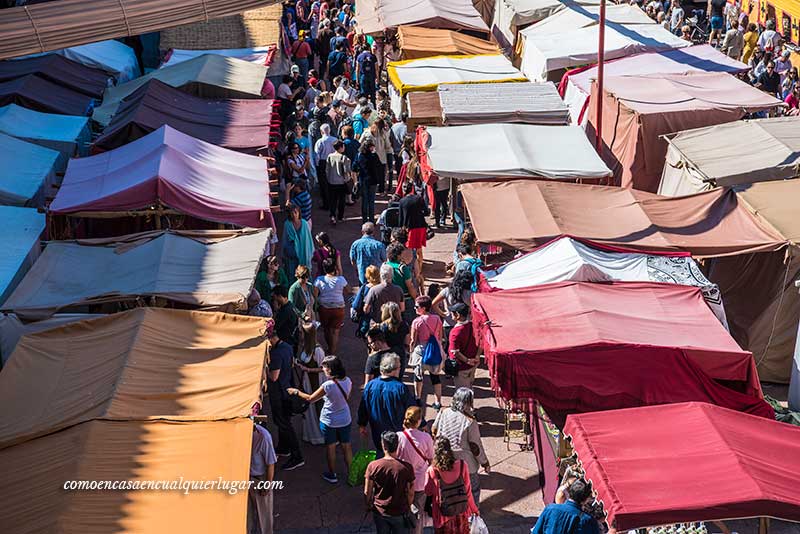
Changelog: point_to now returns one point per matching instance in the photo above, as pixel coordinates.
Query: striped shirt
(303, 201)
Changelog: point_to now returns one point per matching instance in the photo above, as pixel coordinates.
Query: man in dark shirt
(285, 316)
(376, 342)
(769, 81)
(568, 518)
(324, 47)
(367, 73)
(412, 217)
(336, 63)
(278, 382)
(389, 488)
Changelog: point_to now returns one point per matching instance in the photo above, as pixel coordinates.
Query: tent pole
(601, 49)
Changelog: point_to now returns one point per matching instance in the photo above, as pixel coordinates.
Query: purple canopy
(60, 70)
(39, 94)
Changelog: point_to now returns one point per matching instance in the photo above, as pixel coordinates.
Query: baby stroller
(388, 221)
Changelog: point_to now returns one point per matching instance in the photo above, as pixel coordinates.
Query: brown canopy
(65, 23)
(638, 110)
(523, 214)
(147, 363)
(39, 94)
(59, 70)
(417, 42)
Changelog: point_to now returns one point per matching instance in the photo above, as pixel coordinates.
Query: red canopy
(688, 462)
(581, 347)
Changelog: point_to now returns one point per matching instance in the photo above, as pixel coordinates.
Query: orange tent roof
(417, 42)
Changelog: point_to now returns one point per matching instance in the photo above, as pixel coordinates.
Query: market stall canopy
(65, 72)
(566, 258)
(375, 16)
(599, 347)
(23, 228)
(638, 110)
(42, 27)
(140, 452)
(708, 224)
(424, 109)
(211, 268)
(524, 102)
(142, 364)
(260, 55)
(207, 76)
(739, 152)
(698, 58)
(512, 15)
(417, 42)
(569, 39)
(70, 136)
(235, 124)
(646, 471)
(488, 151)
(175, 170)
(12, 328)
(27, 172)
(110, 56)
(39, 94)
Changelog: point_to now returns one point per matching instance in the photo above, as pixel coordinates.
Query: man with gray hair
(367, 251)
(382, 293)
(384, 402)
(322, 149)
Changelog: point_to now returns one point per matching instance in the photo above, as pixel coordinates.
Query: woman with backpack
(416, 448)
(335, 418)
(426, 352)
(447, 482)
(397, 332)
(357, 313)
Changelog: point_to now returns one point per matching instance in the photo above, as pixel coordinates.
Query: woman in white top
(329, 291)
(335, 419)
(416, 448)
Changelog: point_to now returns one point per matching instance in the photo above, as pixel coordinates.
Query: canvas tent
(751, 460)
(638, 110)
(113, 57)
(27, 172)
(207, 76)
(211, 268)
(577, 85)
(566, 258)
(735, 153)
(375, 16)
(12, 328)
(235, 124)
(524, 102)
(173, 170)
(57, 69)
(488, 151)
(569, 39)
(510, 16)
(22, 229)
(70, 136)
(424, 109)
(41, 27)
(599, 347)
(260, 55)
(416, 42)
(39, 94)
(145, 363)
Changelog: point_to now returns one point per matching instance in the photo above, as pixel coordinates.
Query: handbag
(451, 367)
(478, 526)
(297, 405)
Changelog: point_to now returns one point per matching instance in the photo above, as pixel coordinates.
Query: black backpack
(368, 63)
(453, 497)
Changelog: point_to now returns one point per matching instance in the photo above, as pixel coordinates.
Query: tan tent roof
(416, 42)
(375, 16)
(534, 212)
(34, 474)
(776, 203)
(209, 75)
(212, 268)
(147, 363)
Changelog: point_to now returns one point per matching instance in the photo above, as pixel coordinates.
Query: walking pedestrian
(416, 448)
(426, 329)
(462, 347)
(448, 483)
(338, 170)
(279, 381)
(367, 251)
(368, 167)
(389, 489)
(329, 291)
(262, 470)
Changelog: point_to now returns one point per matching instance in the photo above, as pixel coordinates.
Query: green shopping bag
(359, 466)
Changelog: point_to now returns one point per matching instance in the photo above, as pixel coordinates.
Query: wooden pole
(601, 50)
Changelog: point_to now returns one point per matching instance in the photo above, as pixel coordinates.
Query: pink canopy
(171, 168)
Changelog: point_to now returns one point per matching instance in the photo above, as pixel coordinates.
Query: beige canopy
(417, 42)
(375, 16)
(146, 363)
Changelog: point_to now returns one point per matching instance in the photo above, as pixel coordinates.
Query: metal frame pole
(601, 49)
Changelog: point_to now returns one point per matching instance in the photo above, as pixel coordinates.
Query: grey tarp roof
(525, 102)
(203, 268)
(27, 172)
(22, 228)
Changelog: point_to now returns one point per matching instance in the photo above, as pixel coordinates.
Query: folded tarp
(510, 16)
(49, 26)
(739, 152)
(59, 70)
(700, 58)
(529, 103)
(23, 228)
(208, 76)
(12, 328)
(569, 39)
(173, 170)
(113, 57)
(211, 268)
(146, 363)
(375, 16)
(417, 42)
(235, 124)
(39, 94)
(68, 135)
(638, 110)
(584, 347)
(710, 224)
(668, 449)
(136, 453)
(27, 172)
(261, 55)
(566, 259)
(506, 150)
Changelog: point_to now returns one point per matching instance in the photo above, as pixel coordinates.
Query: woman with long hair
(270, 275)
(301, 295)
(368, 167)
(329, 290)
(397, 332)
(309, 362)
(298, 245)
(325, 250)
(447, 481)
(416, 448)
(359, 316)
